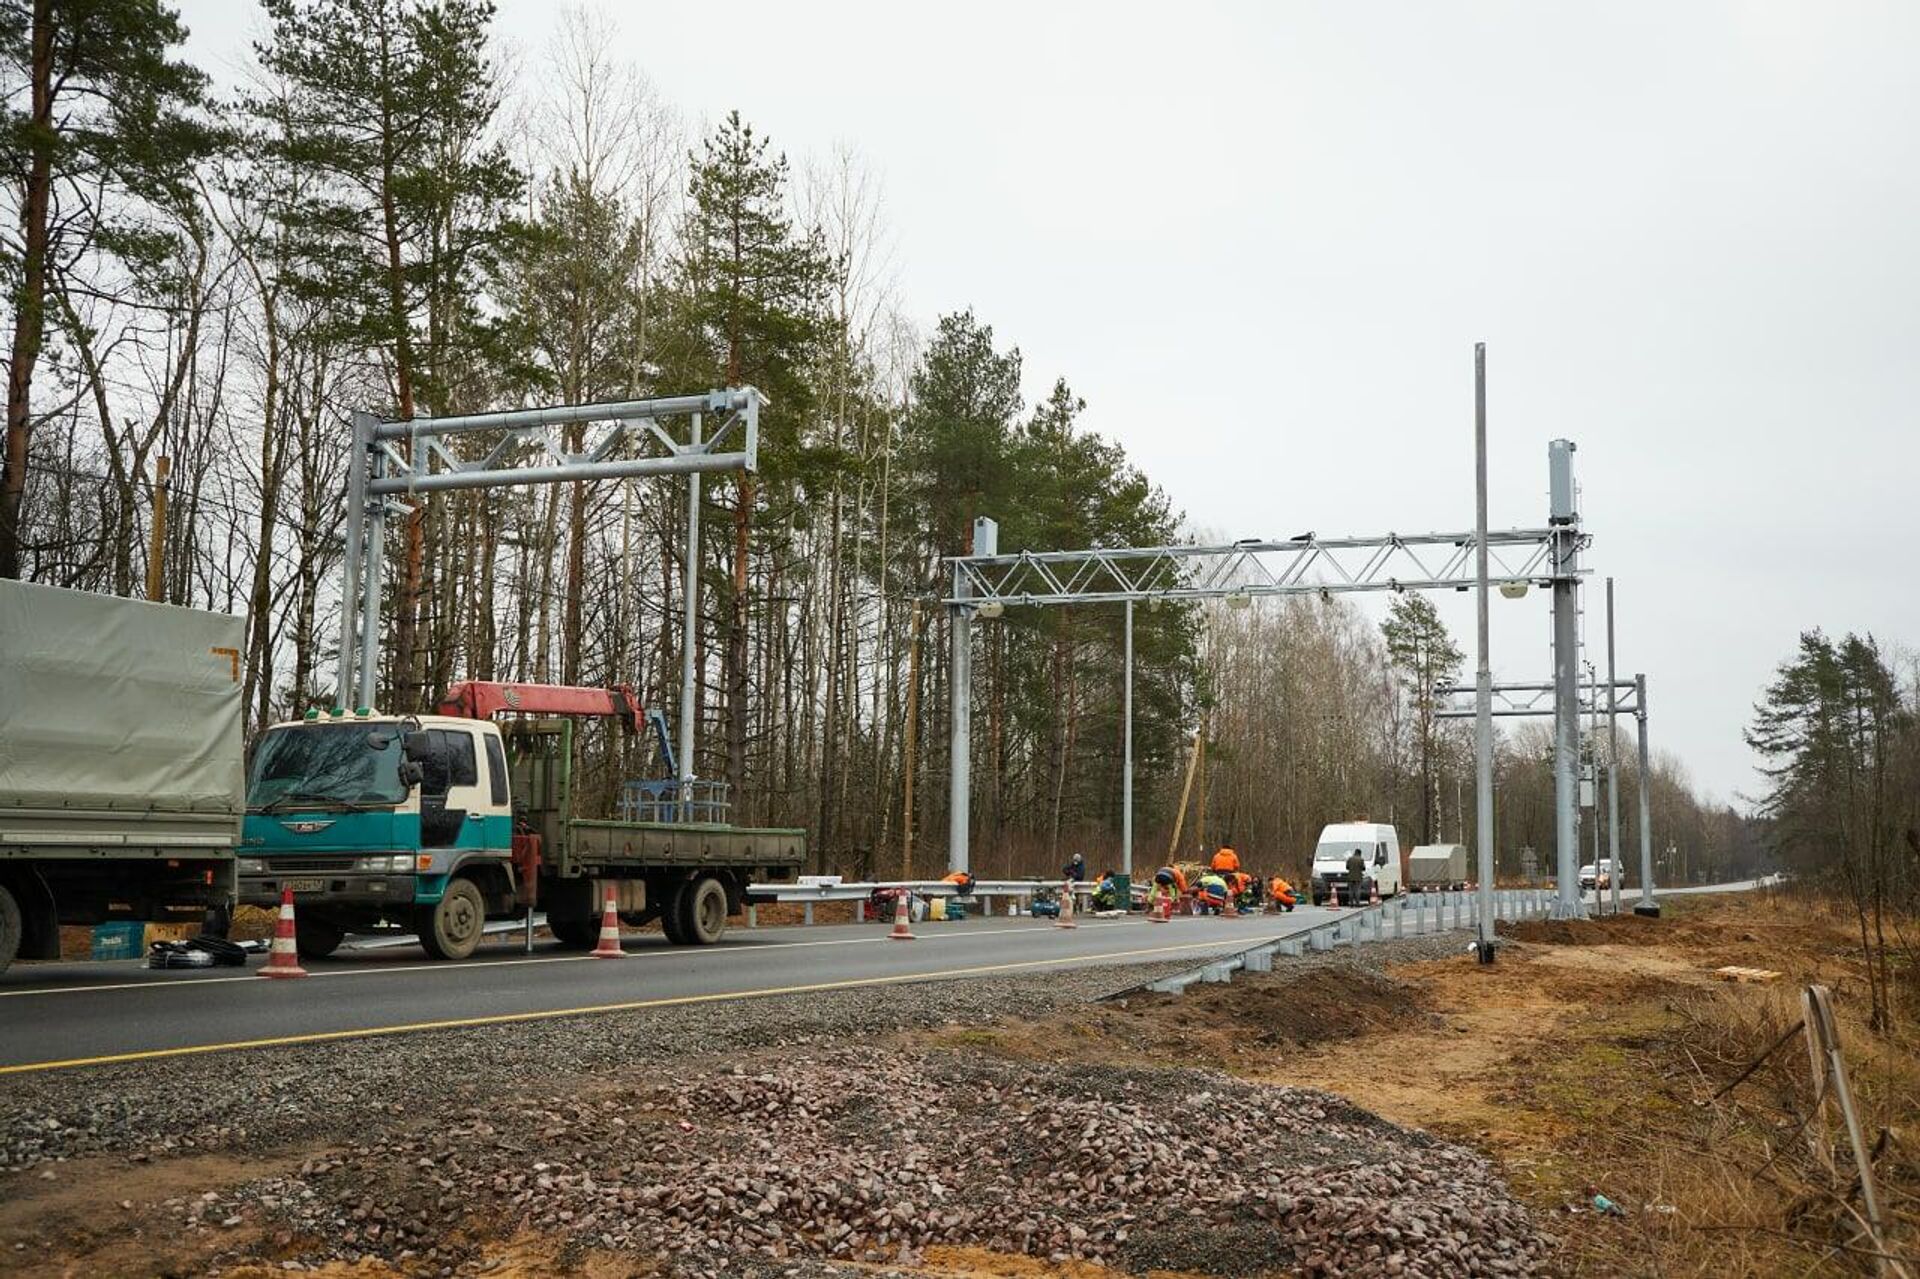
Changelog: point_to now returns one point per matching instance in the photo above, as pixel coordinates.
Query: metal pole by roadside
(690, 600)
(1648, 906)
(1126, 762)
(1483, 672)
(1613, 764)
(912, 743)
(1566, 678)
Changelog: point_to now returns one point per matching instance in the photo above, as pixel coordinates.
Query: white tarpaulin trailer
(1437, 866)
(120, 746)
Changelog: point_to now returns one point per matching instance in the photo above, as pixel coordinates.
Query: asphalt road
(66, 1014)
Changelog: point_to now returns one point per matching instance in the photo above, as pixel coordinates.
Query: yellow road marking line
(676, 952)
(547, 1014)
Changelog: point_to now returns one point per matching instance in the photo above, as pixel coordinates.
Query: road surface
(73, 1014)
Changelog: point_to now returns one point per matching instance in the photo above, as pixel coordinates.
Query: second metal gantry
(985, 583)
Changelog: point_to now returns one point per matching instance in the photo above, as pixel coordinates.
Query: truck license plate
(304, 885)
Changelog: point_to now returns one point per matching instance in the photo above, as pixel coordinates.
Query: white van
(1378, 843)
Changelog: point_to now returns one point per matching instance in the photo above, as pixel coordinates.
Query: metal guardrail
(813, 889)
(827, 889)
(1417, 915)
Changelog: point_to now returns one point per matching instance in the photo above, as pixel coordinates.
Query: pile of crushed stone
(860, 1155)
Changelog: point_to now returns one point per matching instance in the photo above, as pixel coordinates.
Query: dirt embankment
(1603, 1056)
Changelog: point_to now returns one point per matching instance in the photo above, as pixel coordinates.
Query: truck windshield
(351, 765)
(1340, 852)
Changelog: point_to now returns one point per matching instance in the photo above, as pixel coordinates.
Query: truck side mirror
(417, 749)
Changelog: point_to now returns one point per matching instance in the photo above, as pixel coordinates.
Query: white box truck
(1379, 847)
(122, 783)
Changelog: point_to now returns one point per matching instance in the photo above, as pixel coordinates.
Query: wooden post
(1200, 806)
(1186, 791)
(156, 553)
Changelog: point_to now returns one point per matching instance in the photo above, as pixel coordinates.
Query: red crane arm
(484, 699)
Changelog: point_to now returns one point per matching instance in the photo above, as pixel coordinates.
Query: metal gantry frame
(391, 461)
(1624, 697)
(987, 583)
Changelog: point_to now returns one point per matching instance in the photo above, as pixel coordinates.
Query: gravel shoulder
(793, 1136)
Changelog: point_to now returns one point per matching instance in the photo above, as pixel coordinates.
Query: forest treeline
(376, 216)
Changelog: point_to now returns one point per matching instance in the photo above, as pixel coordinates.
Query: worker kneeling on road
(1106, 895)
(1165, 889)
(1210, 894)
(1282, 893)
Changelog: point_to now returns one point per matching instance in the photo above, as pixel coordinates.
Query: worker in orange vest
(1226, 861)
(1282, 893)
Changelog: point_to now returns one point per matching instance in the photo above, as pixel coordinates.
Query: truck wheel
(575, 934)
(10, 928)
(673, 919)
(703, 912)
(451, 928)
(317, 938)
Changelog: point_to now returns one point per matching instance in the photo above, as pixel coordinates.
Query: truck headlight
(251, 866)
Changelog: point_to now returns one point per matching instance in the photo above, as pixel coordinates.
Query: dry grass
(1719, 1171)
(1591, 1056)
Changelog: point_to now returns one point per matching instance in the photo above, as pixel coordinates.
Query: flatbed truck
(438, 823)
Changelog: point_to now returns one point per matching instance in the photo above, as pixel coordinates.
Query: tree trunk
(29, 318)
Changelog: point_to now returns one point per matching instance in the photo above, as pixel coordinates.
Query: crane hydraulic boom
(484, 699)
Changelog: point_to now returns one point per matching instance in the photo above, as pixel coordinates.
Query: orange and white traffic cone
(1065, 917)
(1333, 897)
(1373, 892)
(902, 918)
(609, 947)
(1157, 911)
(284, 959)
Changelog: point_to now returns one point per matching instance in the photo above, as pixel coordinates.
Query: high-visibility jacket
(1211, 888)
(1226, 860)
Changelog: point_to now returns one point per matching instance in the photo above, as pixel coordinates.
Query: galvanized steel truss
(1516, 700)
(530, 446)
(392, 461)
(1304, 565)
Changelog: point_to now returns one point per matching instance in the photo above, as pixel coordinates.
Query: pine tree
(753, 293)
(99, 161)
(1424, 656)
(391, 103)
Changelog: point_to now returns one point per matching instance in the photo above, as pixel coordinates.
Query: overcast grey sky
(1261, 240)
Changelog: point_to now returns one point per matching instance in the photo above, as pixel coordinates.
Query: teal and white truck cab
(434, 824)
(375, 821)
